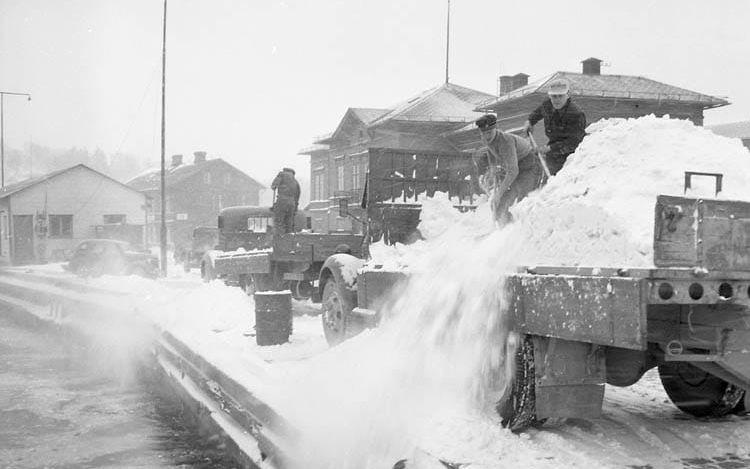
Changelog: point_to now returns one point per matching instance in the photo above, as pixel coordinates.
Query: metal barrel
(273, 317)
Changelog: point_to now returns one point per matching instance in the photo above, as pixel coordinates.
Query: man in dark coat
(564, 124)
(287, 198)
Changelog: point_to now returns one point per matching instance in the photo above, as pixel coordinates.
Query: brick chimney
(509, 83)
(199, 157)
(592, 66)
(176, 160)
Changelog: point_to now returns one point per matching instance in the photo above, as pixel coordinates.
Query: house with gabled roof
(339, 160)
(43, 218)
(196, 192)
(598, 95)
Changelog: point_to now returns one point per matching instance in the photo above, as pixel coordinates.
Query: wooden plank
(714, 234)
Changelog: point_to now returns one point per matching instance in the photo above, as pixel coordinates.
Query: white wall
(86, 195)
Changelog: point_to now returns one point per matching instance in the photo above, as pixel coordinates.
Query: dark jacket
(564, 128)
(286, 186)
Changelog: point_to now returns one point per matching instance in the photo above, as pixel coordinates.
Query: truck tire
(698, 392)
(518, 408)
(337, 311)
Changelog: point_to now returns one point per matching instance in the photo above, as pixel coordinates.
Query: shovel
(539, 155)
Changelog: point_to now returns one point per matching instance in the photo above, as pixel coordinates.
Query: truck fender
(343, 268)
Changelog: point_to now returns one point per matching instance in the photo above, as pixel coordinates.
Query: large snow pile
(599, 210)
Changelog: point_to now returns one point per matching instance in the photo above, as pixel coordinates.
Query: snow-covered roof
(611, 86)
(445, 103)
(150, 179)
(25, 184)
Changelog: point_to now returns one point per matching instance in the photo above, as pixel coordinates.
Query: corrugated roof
(613, 86)
(25, 184)
(445, 103)
(151, 179)
(733, 130)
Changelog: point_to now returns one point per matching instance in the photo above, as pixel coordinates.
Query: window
(207, 178)
(227, 179)
(260, 224)
(340, 177)
(61, 226)
(318, 186)
(218, 200)
(356, 175)
(118, 218)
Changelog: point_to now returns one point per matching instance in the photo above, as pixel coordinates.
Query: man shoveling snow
(508, 168)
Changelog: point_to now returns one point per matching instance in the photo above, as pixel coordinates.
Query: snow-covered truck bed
(584, 327)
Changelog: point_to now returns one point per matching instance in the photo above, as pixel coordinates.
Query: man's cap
(486, 121)
(558, 87)
(290, 170)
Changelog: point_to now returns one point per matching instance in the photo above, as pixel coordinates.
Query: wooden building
(43, 218)
(598, 96)
(339, 160)
(195, 194)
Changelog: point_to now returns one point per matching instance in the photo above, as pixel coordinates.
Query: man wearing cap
(507, 167)
(564, 124)
(287, 198)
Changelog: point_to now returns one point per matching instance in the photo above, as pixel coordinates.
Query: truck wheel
(518, 408)
(698, 392)
(337, 311)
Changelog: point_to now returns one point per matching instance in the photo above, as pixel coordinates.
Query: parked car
(94, 257)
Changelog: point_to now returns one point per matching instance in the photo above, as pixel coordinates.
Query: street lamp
(2, 132)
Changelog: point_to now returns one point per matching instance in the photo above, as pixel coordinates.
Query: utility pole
(447, 40)
(2, 132)
(163, 231)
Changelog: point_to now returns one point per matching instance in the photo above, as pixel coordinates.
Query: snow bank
(599, 210)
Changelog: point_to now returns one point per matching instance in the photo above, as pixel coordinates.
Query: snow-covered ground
(420, 387)
(639, 427)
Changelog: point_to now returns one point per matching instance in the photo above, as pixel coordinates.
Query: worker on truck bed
(564, 125)
(507, 167)
(287, 198)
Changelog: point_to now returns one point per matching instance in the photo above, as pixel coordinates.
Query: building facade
(339, 161)
(43, 218)
(196, 192)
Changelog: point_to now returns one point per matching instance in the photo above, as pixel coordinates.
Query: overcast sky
(254, 81)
